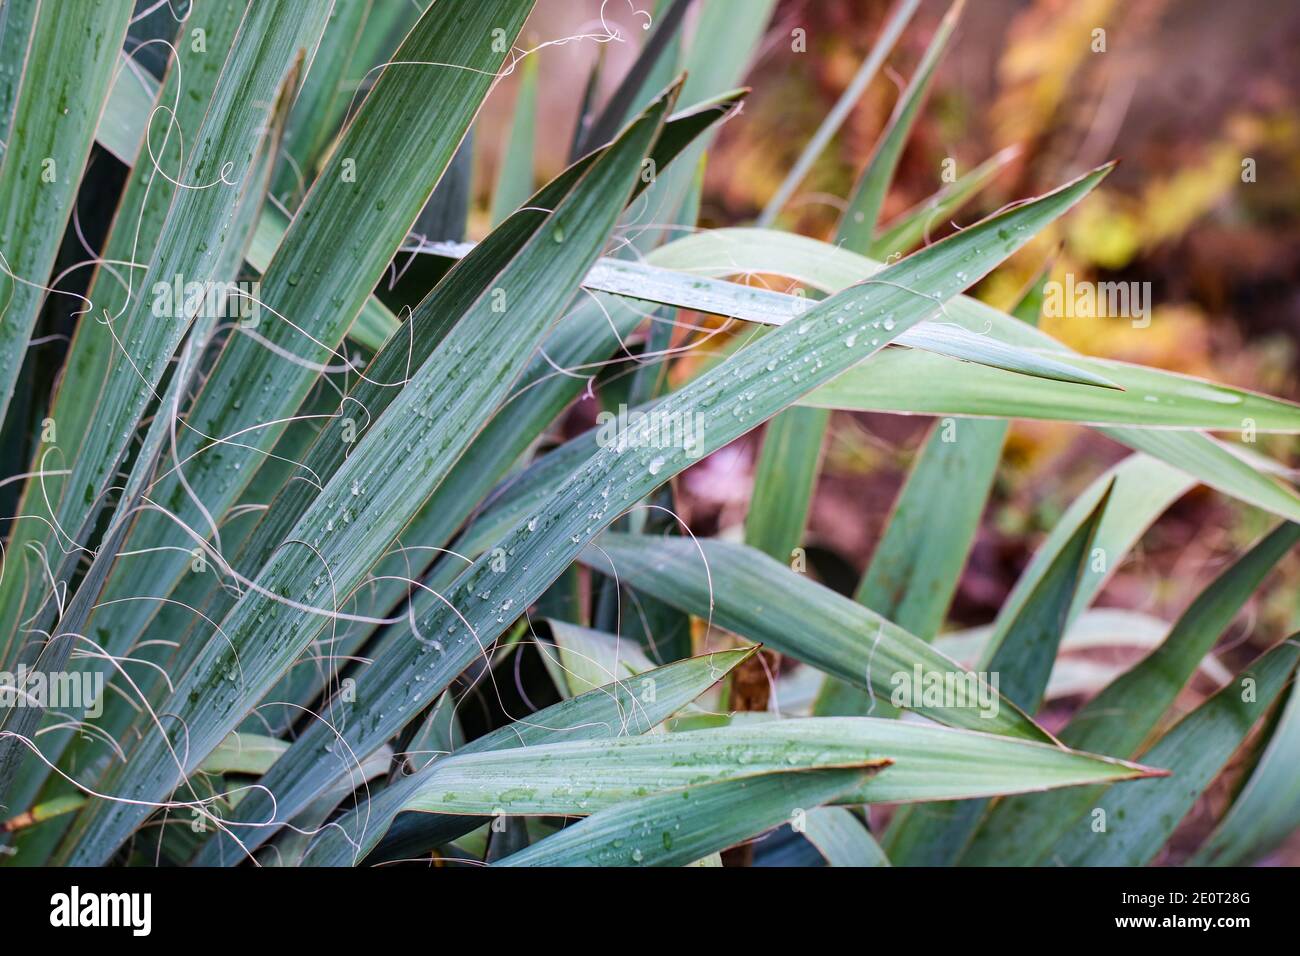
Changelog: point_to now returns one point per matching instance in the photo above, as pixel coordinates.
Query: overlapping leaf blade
(194, 243)
(842, 838)
(473, 612)
(47, 142)
(1134, 824)
(1120, 718)
(586, 776)
(601, 713)
(744, 591)
(679, 826)
(337, 247)
(375, 491)
(1021, 655)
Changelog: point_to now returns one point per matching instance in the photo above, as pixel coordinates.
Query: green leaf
(655, 57)
(291, 844)
(680, 826)
(902, 234)
(583, 777)
(439, 734)
(746, 592)
(514, 182)
(842, 838)
(130, 100)
(649, 283)
(598, 714)
(585, 659)
(916, 566)
(784, 480)
(1139, 819)
(868, 198)
(46, 148)
(1215, 465)
(1146, 400)
(1122, 716)
(385, 29)
(16, 20)
(312, 121)
(1023, 649)
(1019, 658)
(912, 382)
(244, 753)
(481, 276)
(889, 35)
(376, 323)
(93, 343)
(1267, 810)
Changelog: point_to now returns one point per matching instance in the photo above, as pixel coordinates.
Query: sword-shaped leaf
(842, 838)
(677, 827)
(192, 244)
(619, 708)
(863, 210)
(928, 763)
(1127, 827)
(1120, 718)
(310, 123)
(1020, 659)
(746, 592)
(903, 233)
(46, 145)
(374, 492)
(515, 176)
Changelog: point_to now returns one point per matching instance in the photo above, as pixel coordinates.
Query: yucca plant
(299, 498)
